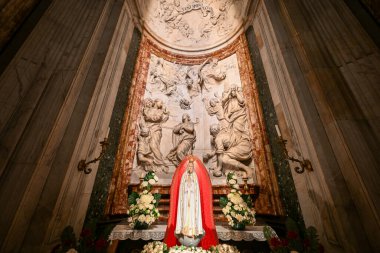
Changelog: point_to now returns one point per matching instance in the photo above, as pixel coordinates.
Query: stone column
(323, 73)
(56, 99)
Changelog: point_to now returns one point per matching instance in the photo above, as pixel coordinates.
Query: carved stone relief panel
(193, 24)
(196, 109)
(204, 105)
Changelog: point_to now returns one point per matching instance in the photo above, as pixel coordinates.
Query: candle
(108, 132)
(278, 130)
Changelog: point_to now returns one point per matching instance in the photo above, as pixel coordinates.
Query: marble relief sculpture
(212, 73)
(161, 75)
(234, 109)
(149, 155)
(214, 107)
(185, 104)
(230, 141)
(231, 145)
(232, 149)
(194, 22)
(184, 137)
(197, 78)
(144, 152)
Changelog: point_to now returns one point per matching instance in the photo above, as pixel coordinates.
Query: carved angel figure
(212, 73)
(160, 75)
(144, 152)
(154, 114)
(214, 107)
(198, 77)
(234, 109)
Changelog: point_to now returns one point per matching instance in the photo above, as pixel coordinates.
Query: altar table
(157, 233)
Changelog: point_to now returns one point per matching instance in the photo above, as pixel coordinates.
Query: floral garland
(143, 206)
(237, 207)
(160, 247)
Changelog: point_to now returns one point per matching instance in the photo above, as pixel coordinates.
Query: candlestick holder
(245, 186)
(305, 164)
(83, 165)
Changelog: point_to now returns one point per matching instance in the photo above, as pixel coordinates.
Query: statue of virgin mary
(189, 213)
(191, 216)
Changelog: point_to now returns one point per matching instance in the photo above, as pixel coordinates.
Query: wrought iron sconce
(83, 165)
(305, 164)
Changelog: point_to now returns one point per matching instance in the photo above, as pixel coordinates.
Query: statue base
(189, 241)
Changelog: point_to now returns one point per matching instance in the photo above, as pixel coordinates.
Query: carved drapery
(268, 201)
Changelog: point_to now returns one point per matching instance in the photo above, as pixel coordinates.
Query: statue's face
(159, 103)
(189, 81)
(185, 118)
(148, 103)
(214, 130)
(190, 166)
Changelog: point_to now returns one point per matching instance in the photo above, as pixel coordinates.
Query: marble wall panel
(312, 54)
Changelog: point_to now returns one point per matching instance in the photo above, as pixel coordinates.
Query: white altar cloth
(157, 232)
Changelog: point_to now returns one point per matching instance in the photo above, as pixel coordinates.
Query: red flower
(68, 242)
(86, 232)
(285, 242)
(275, 242)
(88, 243)
(292, 235)
(100, 244)
(306, 243)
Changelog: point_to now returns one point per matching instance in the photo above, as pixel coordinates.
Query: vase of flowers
(237, 207)
(238, 226)
(143, 205)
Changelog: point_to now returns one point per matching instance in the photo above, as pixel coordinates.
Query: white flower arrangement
(224, 248)
(143, 210)
(155, 247)
(235, 207)
(184, 249)
(72, 250)
(160, 247)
